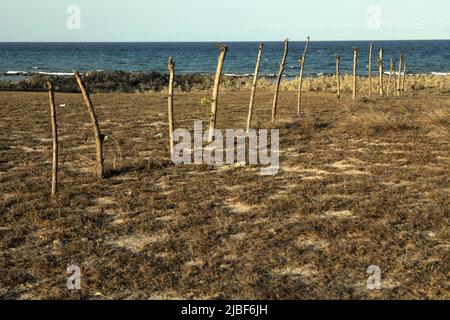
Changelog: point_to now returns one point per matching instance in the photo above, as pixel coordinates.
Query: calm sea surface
(15, 58)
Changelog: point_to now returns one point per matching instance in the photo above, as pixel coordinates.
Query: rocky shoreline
(142, 82)
(108, 82)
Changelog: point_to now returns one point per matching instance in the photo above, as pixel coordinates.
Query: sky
(226, 20)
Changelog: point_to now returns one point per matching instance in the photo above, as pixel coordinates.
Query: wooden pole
(405, 65)
(370, 69)
(170, 104)
(99, 138)
(355, 62)
(394, 92)
(391, 71)
(280, 74)
(380, 71)
(399, 80)
(215, 96)
(55, 138)
(255, 81)
(338, 77)
(302, 69)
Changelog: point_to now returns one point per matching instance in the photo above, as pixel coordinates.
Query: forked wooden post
(215, 96)
(170, 105)
(355, 63)
(338, 77)
(302, 69)
(55, 138)
(391, 72)
(399, 76)
(99, 138)
(380, 72)
(280, 74)
(370, 68)
(255, 81)
(405, 65)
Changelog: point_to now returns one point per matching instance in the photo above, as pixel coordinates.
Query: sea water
(20, 59)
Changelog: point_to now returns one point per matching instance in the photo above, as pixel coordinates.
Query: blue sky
(227, 20)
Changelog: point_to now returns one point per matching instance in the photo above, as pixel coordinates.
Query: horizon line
(231, 41)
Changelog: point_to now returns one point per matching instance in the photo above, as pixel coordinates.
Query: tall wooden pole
(338, 77)
(394, 92)
(255, 81)
(170, 104)
(370, 68)
(55, 138)
(215, 96)
(399, 79)
(99, 138)
(380, 71)
(355, 63)
(302, 69)
(280, 74)
(405, 65)
(391, 72)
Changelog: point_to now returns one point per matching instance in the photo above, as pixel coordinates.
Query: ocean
(20, 59)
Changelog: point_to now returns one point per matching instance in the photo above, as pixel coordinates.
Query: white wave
(238, 75)
(441, 73)
(393, 73)
(15, 73)
(56, 73)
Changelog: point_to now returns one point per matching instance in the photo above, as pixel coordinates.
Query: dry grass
(363, 182)
(373, 121)
(413, 83)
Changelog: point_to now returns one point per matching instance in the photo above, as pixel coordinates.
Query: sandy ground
(362, 183)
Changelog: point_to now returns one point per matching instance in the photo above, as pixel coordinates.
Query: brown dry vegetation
(363, 183)
(126, 82)
(413, 83)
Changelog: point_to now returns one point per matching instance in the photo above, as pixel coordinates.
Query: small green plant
(205, 102)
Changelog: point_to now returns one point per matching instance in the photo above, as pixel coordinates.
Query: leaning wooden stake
(355, 62)
(399, 79)
(255, 81)
(338, 77)
(380, 71)
(215, 96)
(99, 138)
(280, 74)
(405, 65)
(302, 69)
(170, 104)
(391, 72)
(55, 138)
(370, 68)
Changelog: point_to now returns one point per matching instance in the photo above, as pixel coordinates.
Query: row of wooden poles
(398, 85)
(99, 138)
(213, 118)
